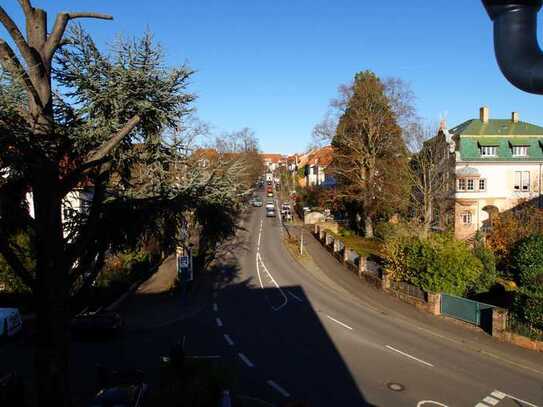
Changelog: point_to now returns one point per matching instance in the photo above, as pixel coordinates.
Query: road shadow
(284, 332)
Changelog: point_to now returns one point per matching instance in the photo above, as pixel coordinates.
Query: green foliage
(528, 264)
(436, 264)
(487, 279)
(8, 278)
(125, 268)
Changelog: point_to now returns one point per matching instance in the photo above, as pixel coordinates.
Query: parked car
(120, 388)
(96, 324)
(270, 212)
(257, 202)
(10, 322)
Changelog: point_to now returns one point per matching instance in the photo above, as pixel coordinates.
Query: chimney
(514, 117)
(483, 114)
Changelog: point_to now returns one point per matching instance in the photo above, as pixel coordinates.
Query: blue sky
(274, 65)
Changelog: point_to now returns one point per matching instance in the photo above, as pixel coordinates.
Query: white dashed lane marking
(228, 340)
(283, 392)
(219, 322)
(246, 360)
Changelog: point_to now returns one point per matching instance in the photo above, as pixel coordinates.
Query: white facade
(483, 187)
(316, 175)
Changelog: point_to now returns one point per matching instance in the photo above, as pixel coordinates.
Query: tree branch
(55, 39)
(26, 6)
(108, 146)
(17, 36)
(9, 60)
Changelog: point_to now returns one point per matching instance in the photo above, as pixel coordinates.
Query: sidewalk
(442, 327)
(157, 304)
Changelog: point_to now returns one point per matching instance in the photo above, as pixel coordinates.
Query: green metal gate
(474, 312)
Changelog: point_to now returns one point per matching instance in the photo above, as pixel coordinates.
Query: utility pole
(302, 243)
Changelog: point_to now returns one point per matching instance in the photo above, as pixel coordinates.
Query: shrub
(487, 279)
(438, 263)
(125, 268)
(527, 263)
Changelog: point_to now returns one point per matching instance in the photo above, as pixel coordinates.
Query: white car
(10, 322)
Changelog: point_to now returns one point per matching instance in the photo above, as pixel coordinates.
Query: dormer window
(520, 151)
(488, 151)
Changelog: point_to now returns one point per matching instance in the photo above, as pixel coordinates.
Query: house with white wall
(497, 165)
(317, 168)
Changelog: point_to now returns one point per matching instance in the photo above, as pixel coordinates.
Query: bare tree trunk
(52, 346)
(368, 227)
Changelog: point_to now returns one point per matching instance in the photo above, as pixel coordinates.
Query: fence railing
(523, 328)
(408, 289)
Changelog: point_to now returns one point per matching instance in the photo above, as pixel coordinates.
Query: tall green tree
(105, 117)
(370, 157)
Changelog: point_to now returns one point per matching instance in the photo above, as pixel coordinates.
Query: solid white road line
(228, 340)
(283, 392)
(285, 298)
(246, 360)
(409, 356)
(294, 296)
(339, 322)
(520, 400)
(219, 322)
(215, 307)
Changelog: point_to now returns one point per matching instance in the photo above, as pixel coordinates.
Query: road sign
(184, 268)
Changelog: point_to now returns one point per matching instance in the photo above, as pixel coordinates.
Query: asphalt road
(308, 337)
(293, 333)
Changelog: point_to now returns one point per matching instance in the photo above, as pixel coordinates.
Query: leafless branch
(108, 147)
(17, 36)
(10, 61)
(55, 39)
(26, 6)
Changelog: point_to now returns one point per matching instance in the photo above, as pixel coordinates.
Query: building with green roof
(497, 164)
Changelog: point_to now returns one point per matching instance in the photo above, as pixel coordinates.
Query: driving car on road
(270, 204)
(257, 201)
(270, 212)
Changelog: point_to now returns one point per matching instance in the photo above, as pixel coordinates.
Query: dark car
(120, 388)
(96, 324)
(133, 395)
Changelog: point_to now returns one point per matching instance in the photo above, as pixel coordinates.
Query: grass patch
(363, 246)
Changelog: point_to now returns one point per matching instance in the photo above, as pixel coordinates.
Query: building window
(462, 184)
(466, 218)
(520, 151)
(482, 185)
(522, 181)
(488, 151)
(471, 184)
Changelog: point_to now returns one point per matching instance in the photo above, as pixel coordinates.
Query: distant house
(205, 156)
(273, 161)
(497, 165)
(317, 168)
